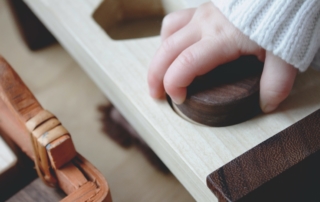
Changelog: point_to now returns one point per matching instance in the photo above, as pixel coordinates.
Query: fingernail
(177, 100)
(269, 108)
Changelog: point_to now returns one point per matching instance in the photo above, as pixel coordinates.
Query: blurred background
(63, 88)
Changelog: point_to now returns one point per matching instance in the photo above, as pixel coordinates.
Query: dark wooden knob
(227, 95)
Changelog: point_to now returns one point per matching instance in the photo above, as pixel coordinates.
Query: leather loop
(52, 135)
(49, 180)
(23, 119)
(44, 128)
(41, 117)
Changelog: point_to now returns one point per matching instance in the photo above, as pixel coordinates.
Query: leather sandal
(41, 136)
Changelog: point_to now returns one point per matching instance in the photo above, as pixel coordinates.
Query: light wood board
(119, 68)
(62, 87)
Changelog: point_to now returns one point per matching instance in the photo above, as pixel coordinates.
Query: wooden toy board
(119, 68)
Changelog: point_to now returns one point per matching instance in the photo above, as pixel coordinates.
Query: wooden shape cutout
(123, 19)
(282, 168)
(225, 96)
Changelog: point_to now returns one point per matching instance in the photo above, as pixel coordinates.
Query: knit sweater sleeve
(288, 28)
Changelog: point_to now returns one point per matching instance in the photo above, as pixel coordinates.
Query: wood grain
(282, 168)
(119, 68)
(62, 77)
(225, 96)
(15, 113)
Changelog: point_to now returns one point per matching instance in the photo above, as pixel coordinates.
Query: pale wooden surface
(119, 68)
(7, 157)
(63, 88)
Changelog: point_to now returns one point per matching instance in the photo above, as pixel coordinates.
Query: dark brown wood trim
(283, 168)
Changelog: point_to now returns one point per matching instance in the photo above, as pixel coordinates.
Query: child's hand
(195, 41)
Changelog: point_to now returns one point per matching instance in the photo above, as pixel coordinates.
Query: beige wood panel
(119, 68)
(62, 87)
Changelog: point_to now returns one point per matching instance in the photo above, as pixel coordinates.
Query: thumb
(276, 82)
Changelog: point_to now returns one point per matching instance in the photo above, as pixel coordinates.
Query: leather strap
(41, 136)
(44, 128)
(41, 117)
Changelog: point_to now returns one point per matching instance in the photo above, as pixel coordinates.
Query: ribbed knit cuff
(289, 29)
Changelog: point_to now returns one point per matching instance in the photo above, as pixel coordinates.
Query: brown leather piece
(18, 106)
(50, 140)
(92, 175)
(37, 120)
(48, 125)
(12, 117)
(85, 191)
(70, 173)
(57, 151)
(283, 168)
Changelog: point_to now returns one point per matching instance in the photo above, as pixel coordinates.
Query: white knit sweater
(288, 28)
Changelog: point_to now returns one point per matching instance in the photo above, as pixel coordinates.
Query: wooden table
(119, 68)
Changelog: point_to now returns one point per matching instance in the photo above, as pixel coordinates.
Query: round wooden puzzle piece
(227, 95)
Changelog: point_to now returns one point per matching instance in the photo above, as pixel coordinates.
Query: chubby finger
(276, 82)
(168, 51)
(175, 21)
(196, 60)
